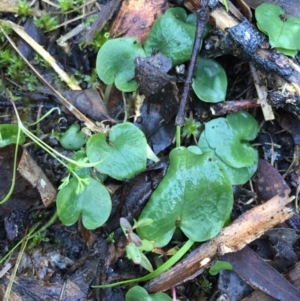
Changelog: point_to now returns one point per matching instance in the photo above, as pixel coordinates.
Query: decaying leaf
(250, 266)
(136, 17)
(90, 103)
(270, 182)
(29, 175)
(32, 173)
(292, 275)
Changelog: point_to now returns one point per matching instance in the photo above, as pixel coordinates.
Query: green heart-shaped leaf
(138, 293)
(9, 135)
(209, 81)
(228, 136)
(283, 32)
(194, 195)
(93, 204)
(115, 62)
(124, 156)
(73, 138)
(172, 36)
(237, 176)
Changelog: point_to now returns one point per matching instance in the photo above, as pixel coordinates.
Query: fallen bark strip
(248, 227)
(226, 107)
(104, 15)
(262, 92)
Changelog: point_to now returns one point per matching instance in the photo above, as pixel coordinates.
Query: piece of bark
(104, 15)
(248, 227)
(33, 174)
(244, 8)
(226, 107)
(262, 92)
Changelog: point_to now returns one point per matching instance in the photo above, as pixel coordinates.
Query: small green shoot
(23, 8)
(225, 3)
(8, 30)
(14, 67)
(136, 246)
(190, 128)
(37, 238)
(138, 293)
(46, 22)
(66, 5)
(218, 266)
(6, 56)
(91, 80)
(205, 285)
(100, 39)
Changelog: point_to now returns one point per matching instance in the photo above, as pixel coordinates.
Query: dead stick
(248, 227)
(223, 108)
(202, 18)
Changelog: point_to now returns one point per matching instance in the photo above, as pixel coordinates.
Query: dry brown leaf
(249, 266)
(269, 182)
(136, 17)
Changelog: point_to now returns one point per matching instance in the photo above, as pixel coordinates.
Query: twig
(223, 108)
(202, 18)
